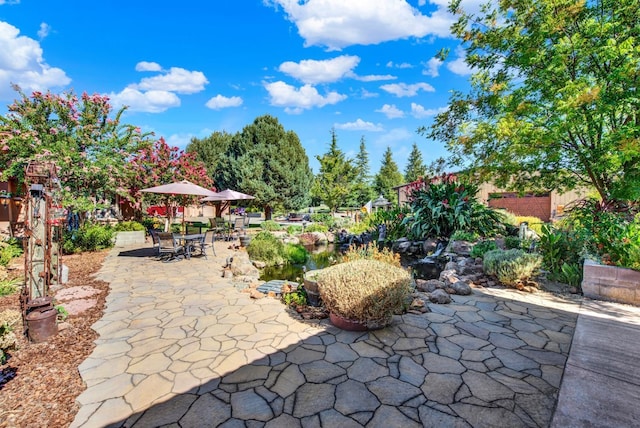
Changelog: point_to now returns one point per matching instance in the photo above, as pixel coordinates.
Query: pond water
(319, 257)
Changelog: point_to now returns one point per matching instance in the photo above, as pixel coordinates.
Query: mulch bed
(40, 381)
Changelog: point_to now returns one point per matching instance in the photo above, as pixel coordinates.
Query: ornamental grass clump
(513, 267)
(368, 292)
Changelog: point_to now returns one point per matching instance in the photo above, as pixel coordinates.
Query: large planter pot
(612, 283)
(351, 325)
(311, 287)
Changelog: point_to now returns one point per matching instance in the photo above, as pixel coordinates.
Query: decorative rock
(449, 276)
(402, 245)
(440, 297)
(259, 264)
(451, 266)
(429, 285)
(460, 247)
(418, 305)
(321, 238)
(255, 294)
(461, 288)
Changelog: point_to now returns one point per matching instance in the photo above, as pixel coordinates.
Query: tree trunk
(267, 212)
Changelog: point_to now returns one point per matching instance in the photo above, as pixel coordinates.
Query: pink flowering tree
(81, 135)
(162, 164)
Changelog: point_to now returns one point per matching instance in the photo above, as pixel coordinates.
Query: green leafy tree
(415, 166)
(388, 177)
(210, 150)
(88, 144)
(268, 162)
(554, 97)
(362, 187)
(334, 183)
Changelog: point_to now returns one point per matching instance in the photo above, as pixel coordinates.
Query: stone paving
(180, 346)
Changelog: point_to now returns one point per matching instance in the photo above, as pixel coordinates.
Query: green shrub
(129, 226)
(561, 246)
(324, 218)
(446, 204)
(294, 229)
(90, 237)
(464, 235)
(9, 320)
(316, 227)
(9, 286)
(9, 250)
(295, 298)
(267, 248)
(270, 225)
(296, 253)
(481, 248)
(365, 291)
(511, 267)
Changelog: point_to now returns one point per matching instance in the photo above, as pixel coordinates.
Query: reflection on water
(319, 257)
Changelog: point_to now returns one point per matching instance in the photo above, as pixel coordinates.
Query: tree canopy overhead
(88, 144)
(554, 99)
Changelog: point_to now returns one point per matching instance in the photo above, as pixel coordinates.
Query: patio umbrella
(227, 196)
(183, 187)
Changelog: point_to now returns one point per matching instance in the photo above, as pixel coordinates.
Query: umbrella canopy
(227, 195)
(183, 187)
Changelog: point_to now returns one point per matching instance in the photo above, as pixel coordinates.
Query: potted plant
(363, 294)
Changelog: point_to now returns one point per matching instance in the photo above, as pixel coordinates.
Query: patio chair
(154, 239)
(239, 227)
(169, 249)
(208, 240)
(219, 227)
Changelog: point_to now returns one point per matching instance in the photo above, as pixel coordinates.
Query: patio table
(189, 241)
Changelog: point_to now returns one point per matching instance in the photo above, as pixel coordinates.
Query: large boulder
(440, 297)
(461, 288)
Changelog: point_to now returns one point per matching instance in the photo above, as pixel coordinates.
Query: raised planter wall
(612, 283)
(126, 239)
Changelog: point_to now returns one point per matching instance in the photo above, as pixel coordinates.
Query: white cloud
(175, 80)
(148, 66)
(359, 125)
(338, 23)
(364, 94)
(149, 101)
(9, 2)
(391, 64)
(44, 30)
(405, 90)
(458, 65)
(312, 72)
(22, 63)
(391, 111)
(376, 77)
(393, 138)
(419, 112)
(295, 100)
(431, 67)
(219, 102)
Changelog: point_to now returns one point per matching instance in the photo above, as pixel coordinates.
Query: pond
(320, 257)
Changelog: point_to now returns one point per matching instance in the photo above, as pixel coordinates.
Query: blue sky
(189, 68)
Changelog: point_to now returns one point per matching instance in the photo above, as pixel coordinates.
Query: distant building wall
(545, 207)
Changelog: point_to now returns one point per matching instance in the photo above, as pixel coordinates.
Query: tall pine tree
(362, 188)
(334, 183)
(388, 177)
(415, 166)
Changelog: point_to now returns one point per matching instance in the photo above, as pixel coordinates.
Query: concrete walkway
(601, 384)
(180, 346)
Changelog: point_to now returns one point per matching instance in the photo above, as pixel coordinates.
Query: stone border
(611, 283)
(125, 239)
